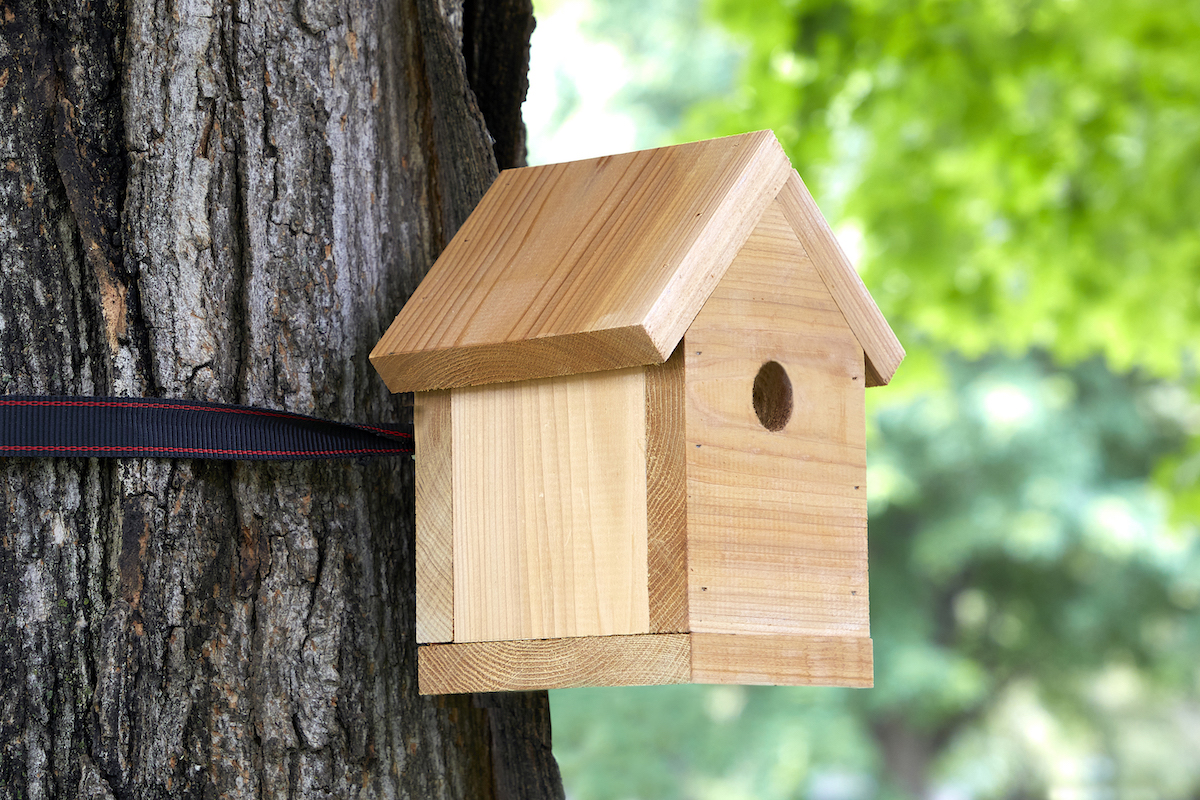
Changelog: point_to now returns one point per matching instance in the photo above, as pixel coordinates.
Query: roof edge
(708, 258)
(882, 349)
(526, 359)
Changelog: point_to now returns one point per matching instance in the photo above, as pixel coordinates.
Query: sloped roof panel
(590, 265)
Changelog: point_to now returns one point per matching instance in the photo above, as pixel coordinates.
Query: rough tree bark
(230, 201)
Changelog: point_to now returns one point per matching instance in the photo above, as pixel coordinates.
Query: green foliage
(1024, 172)
(719, 742)
(1018, 550)
(1014, 527)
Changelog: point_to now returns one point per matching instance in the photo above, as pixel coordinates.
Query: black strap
(116, 427)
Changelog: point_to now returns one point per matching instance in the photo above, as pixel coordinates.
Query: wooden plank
(585, 266)
(782, 660)
(435, 517)
(883, 350)
(550, 508)
(553, 663)
(666, 496)
(776, 519)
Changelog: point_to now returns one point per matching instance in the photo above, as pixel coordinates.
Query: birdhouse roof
(604, 263)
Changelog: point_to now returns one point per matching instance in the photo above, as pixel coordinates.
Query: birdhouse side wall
(776, 518)
(549, 508)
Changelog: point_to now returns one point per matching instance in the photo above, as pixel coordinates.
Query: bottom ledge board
(525, 665)
(644, 659)
(782, 660)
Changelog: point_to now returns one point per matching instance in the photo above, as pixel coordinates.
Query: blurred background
(1018, 182)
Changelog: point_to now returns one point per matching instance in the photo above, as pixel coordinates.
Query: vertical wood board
(666, 488)
(550, 508)
(435, 517)
(590, 265)
(554, 663)
(776, 519)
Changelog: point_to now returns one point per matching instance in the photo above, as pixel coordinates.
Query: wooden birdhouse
(639, 429)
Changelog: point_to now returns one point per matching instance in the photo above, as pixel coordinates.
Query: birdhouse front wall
(777, 516)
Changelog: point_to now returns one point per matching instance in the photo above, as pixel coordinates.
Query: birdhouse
(639, 429)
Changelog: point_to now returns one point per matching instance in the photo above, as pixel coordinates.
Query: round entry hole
(772, 396)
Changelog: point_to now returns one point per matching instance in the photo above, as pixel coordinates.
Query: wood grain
(550, 508)
(595, 264)
(647, 659)
(554, 663)
(666, 496)
(435, 517)
(776, 519)
(883, 350)
(782, 660)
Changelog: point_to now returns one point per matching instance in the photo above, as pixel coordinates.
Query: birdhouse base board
(644, 659)
(782, 660)
(528, 664)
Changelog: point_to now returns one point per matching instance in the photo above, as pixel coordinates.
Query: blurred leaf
(1025, 173)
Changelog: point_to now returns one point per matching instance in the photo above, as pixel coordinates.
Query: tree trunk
(229, 201)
